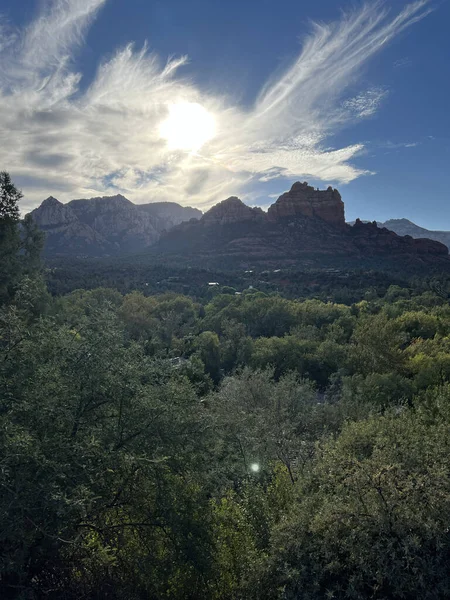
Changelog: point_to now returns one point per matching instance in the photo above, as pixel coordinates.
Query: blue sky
(359, 101)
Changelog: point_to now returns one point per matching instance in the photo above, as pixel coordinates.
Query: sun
(188, 126)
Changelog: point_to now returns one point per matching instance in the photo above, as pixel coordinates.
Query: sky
(194, 101)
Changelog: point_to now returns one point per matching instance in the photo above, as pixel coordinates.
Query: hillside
(406, 227)
(106, 226)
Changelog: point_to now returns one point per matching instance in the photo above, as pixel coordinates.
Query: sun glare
(188, 126)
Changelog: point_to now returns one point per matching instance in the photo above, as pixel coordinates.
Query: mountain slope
(105, 226)
(170, 214)
(66, 234)
(406, 227)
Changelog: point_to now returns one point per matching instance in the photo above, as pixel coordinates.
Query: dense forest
(220, 445)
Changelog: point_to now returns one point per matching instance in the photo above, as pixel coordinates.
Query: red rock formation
(372, 240)
(304, 200)
(304, 227)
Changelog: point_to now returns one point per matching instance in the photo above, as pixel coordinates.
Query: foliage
(371, 518)
(9, 198)
(208, 444)
(20, 244)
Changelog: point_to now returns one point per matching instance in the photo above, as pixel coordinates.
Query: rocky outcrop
(105, 226)
(65, 233)
(231, 210)
(305, 201)
(54, 213)
(118, 220)
(303, 227)
(371, 239)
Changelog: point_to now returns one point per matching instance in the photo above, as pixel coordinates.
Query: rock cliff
(65, 233)
(303, 200)
(118, 220)
(105, 226)
(54, 213)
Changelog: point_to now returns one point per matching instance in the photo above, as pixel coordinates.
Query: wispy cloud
(366, 103)
(389, 146)
(61, 140)
(402, 63)
(397, 145)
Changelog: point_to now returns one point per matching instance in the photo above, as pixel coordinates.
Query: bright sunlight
(188, 126)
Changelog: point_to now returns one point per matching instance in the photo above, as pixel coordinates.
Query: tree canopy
(198, 446)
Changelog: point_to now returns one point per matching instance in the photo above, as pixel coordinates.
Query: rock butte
(301, 201)
(304, 200)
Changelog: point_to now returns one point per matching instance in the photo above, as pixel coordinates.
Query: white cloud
(105, 139)
(366, 103)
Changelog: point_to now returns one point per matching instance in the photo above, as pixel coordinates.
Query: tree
(262, 420)
(9, 238)
(208, 348)
(20, 244)
(371, 516)
(31, 244)
(9, 198)
(103, 473)
(376, 345)
(236, 346)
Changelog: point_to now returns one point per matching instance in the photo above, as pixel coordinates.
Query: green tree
(207, 346)
(32, 245)
(103, 466)
(20, 244)
(9, 198)
(371, 516)
(376, 345)
(10, 271)
(262, 420)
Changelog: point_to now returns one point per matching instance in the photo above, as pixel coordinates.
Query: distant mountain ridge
(106, 226)
(406, 227)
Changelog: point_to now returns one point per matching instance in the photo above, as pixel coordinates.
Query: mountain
(405, 227)
(305, 226)
(105, 226)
